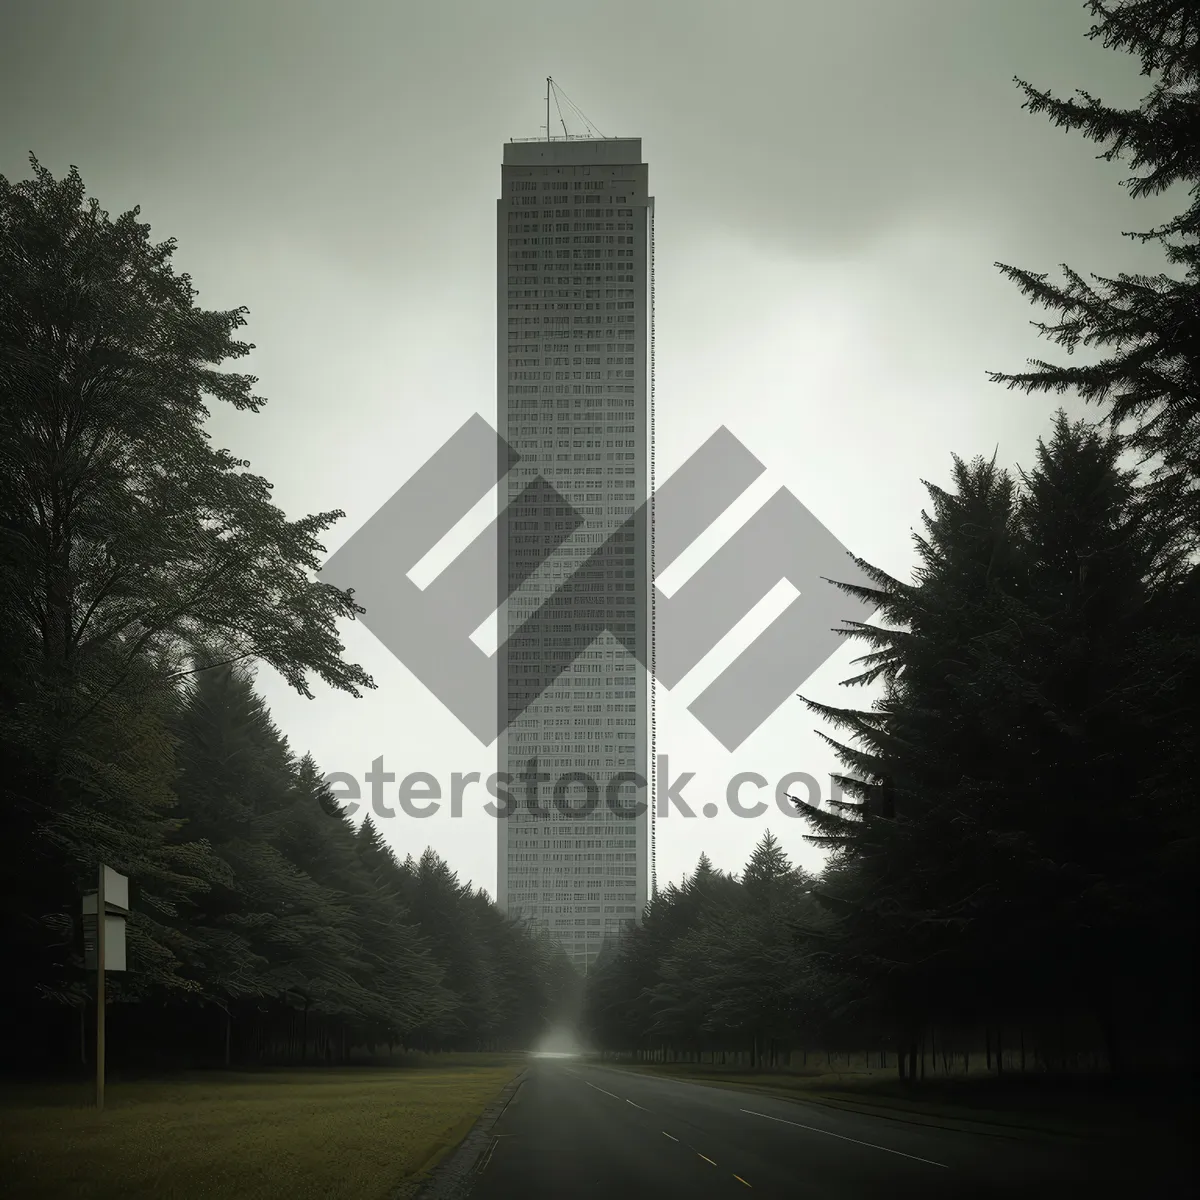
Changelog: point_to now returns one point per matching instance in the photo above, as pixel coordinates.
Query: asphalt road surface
(578, 1132)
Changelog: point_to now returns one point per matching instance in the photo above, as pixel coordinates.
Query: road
(574, 1131)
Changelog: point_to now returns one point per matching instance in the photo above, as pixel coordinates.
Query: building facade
(575, 244)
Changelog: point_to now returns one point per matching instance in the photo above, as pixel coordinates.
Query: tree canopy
(1015, 846)
(143, 571)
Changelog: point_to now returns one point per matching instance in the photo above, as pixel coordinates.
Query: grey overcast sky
(833, 184)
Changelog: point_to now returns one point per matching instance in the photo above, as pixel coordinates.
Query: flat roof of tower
(563, 151)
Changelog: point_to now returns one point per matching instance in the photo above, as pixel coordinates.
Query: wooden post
(100, 923)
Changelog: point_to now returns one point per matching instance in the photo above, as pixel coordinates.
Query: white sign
(114, 939)
(116, 890)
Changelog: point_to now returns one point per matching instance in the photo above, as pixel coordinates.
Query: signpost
(104, 913)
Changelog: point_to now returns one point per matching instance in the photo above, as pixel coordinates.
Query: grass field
(366, 1134)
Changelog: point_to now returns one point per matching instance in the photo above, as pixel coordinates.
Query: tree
(126, 542)
(287, 935)
(747, 956)
(1147, 385)
(1016, 837)
(124, 529)
(142, 571)
(1013, 747)
(1149, 325)
(117, 805)
(895, 887)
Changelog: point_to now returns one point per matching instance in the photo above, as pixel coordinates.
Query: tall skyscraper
(575, 243)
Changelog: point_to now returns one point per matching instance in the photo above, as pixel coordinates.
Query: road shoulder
(453, 1175)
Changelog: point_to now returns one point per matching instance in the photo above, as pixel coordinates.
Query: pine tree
(406, 972)
(769, 878)
(1148, 325)
(1004, 819)
(900, 886)
(1147, 384)
(1102, 559)
(391, 982)
(443, 908)
(126, 541)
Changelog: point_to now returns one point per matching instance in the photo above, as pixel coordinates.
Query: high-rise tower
(575, 244)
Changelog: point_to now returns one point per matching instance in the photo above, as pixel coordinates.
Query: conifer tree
(126, 540)
(141, 572)
(1147, 325)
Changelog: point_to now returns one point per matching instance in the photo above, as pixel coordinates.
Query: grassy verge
(366, 1134)
(1043, 1106)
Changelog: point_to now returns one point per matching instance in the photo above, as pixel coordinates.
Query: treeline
(1013, 866)
(141, 571)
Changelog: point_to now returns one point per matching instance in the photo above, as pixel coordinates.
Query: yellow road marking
(741, 1180)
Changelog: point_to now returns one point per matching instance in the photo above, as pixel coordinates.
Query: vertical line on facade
(653, 604)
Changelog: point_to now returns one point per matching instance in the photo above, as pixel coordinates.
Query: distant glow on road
(559, 1043)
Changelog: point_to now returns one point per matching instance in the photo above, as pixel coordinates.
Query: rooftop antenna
(553, 90)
